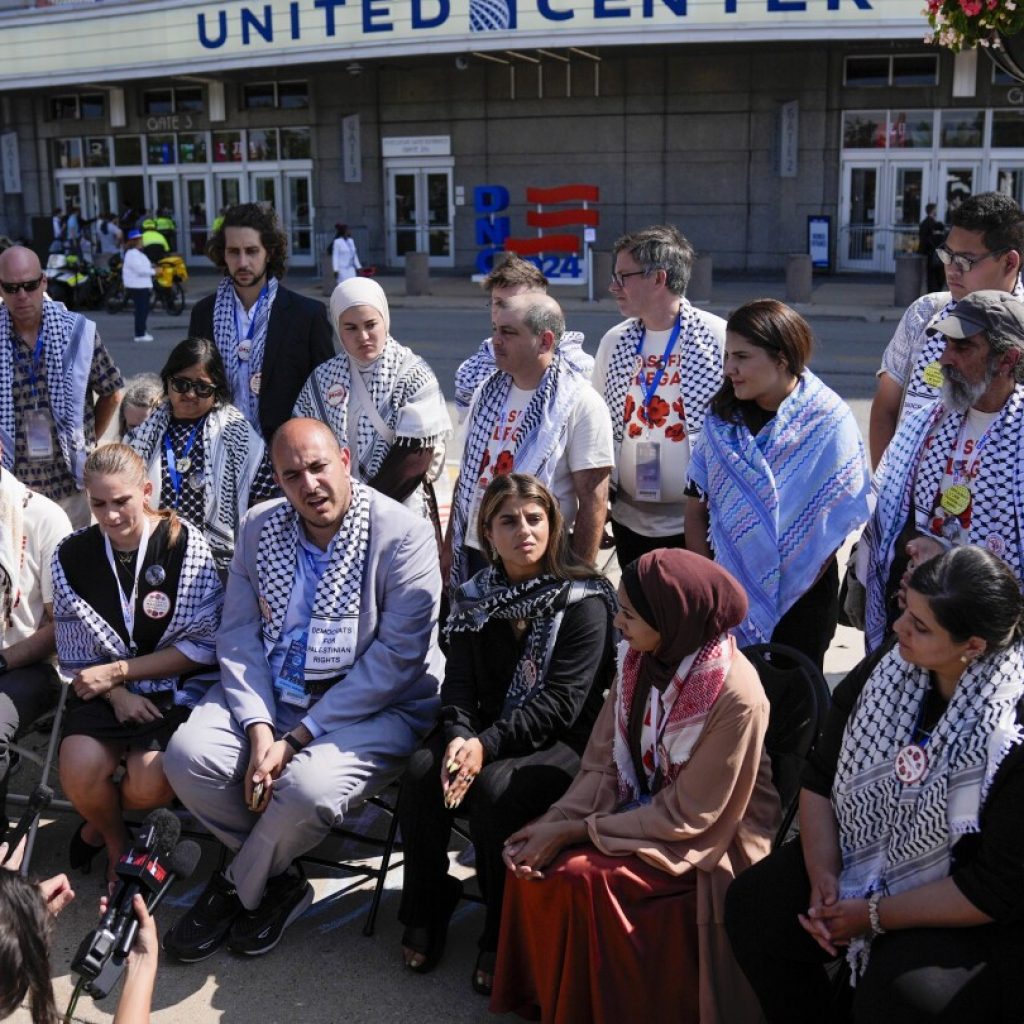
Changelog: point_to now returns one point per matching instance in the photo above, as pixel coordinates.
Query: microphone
(146, 867)
(183, 861)
(39, 799)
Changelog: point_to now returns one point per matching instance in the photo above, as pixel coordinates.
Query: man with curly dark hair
(271, 338)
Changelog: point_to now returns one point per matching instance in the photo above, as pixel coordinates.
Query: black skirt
(96, 718)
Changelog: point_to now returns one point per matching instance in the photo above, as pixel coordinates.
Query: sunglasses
(182, 385)
(10, 288)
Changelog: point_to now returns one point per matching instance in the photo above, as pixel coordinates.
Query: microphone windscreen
(166, 830)
(185, 858)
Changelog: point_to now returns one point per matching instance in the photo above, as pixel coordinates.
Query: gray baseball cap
(996, 314)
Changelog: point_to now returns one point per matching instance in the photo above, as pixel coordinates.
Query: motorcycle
(75, 281)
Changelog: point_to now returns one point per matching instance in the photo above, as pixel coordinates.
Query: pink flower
(971, 7)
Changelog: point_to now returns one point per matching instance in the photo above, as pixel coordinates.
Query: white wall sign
(11, 163)
(789, 139)
(417, 145)
(351, 150)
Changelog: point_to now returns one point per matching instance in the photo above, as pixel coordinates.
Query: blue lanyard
(252, 320)
(172, 460)
(650, 389)
(33, 366)
(316, 565)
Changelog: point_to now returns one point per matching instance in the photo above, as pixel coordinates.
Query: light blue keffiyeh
(783, 501)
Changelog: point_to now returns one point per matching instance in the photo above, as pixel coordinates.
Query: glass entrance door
(264, 189)
(860, 244)
(909, 186)
(420, 213)
(298, 216)
(957, 180)
(229, 191)
(166, 209)
(197, 210)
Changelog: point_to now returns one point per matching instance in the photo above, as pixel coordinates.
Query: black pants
(506, 795)
(950, 975)
(26, 694)
(140, 300)
(810, 624)
(629, 545)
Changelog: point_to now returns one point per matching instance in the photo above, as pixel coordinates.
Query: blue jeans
(140, 298)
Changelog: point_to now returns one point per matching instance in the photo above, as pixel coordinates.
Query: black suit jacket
(299, 339)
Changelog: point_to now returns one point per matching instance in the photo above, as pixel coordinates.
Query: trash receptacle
(417, 273)
(799, 277)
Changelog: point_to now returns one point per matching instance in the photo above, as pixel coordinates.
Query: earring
(494, 554)
(963, 659)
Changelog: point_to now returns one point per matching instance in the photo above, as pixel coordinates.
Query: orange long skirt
(600, 940)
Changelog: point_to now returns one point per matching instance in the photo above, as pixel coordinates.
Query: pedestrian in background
(344, 258)
(137, 274)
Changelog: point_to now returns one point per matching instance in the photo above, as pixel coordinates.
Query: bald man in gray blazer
(330, 673)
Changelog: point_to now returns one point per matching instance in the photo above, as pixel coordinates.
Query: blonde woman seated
(613, 904)
(137, 603)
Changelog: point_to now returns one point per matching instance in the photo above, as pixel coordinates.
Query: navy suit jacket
(299, 339)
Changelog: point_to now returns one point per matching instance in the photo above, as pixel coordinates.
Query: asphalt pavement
(325, 970)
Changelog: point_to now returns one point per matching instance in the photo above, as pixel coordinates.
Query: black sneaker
(201, 931)
(259, 931)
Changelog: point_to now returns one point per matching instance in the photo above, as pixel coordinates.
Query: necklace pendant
(184, 464)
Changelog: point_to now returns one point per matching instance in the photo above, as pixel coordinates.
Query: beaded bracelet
(876, 925)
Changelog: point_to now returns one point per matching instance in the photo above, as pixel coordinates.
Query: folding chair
(46, 763)
(799, 699)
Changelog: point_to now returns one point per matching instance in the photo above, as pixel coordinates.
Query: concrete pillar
(910, 269)
(602, 266)
(417, 273)
(799, 277)
(699, 288)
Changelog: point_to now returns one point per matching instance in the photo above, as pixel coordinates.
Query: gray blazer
(398, 665)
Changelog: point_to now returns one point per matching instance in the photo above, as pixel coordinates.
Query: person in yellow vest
(154, 245)
(166, 226)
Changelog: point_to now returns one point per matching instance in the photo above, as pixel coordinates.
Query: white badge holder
(648, 471)
(38, 435)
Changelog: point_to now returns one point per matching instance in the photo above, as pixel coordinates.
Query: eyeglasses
(964, 263)
(619, 280)
(182, 385)
(10, 288)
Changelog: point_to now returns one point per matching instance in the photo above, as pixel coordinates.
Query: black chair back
(799, 699)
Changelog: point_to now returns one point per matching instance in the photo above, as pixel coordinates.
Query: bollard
(910, 267)
(699, 288)
(799, 277)
(601, 263)
(329, 279)
(417, 273)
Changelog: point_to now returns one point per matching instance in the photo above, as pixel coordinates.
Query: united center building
(459, 127)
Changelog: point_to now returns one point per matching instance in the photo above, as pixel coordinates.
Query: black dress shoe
(81, 853)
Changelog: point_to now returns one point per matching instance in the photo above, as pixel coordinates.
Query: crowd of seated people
(265, 624)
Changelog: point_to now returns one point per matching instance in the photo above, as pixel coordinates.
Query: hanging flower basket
(963, 24)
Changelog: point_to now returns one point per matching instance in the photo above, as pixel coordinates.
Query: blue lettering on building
(255, 24)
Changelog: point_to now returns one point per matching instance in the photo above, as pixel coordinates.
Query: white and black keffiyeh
(339, 592)
(908, 479)
(896, 836)
(540, 602)
(700, 375)
(540, 439)
(404, 391)
(68, 346)
(84, 637)
(233, 453)
(241, 372)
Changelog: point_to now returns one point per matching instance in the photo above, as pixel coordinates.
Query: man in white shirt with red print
(657, 370)
(536, 414)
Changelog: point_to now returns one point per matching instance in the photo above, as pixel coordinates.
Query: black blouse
(480, 668)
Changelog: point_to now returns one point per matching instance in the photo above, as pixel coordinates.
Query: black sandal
(429, 941)
(82, 853)
(485, 962)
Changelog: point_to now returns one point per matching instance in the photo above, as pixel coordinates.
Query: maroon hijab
(688, 599)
